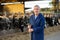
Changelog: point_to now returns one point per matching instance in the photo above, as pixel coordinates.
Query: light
(10, 3)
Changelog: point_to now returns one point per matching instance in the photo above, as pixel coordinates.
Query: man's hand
(30, 30)
(29, 26)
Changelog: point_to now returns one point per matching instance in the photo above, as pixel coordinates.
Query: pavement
(53, 36)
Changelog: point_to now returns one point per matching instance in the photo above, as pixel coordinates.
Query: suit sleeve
(42, 23)
(30, 20)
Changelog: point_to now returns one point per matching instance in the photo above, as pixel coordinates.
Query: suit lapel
(37, 20)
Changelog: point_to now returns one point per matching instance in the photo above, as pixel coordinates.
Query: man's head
(36, 9)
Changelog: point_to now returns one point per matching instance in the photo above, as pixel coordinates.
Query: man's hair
(37, 6)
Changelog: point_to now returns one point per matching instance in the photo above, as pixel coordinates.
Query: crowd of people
(51, 20)
(12, 22)
(17, 21)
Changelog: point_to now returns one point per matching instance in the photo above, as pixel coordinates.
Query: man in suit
(36, 26)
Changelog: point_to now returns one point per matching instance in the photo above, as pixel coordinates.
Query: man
(36, 26)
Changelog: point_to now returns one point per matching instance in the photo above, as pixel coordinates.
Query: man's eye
(36, 9)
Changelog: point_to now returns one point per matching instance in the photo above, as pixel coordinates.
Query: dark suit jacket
(37, 26)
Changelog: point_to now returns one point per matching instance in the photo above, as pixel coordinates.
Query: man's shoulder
(40, 14)
(32, 15)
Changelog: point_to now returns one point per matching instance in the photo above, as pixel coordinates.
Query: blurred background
(11, 14)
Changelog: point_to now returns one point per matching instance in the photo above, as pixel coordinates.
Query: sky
(42, 4)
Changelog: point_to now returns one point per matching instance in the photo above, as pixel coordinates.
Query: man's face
(36, 10)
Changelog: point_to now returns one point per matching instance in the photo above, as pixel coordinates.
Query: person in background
(36, 26)
(21, 24)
